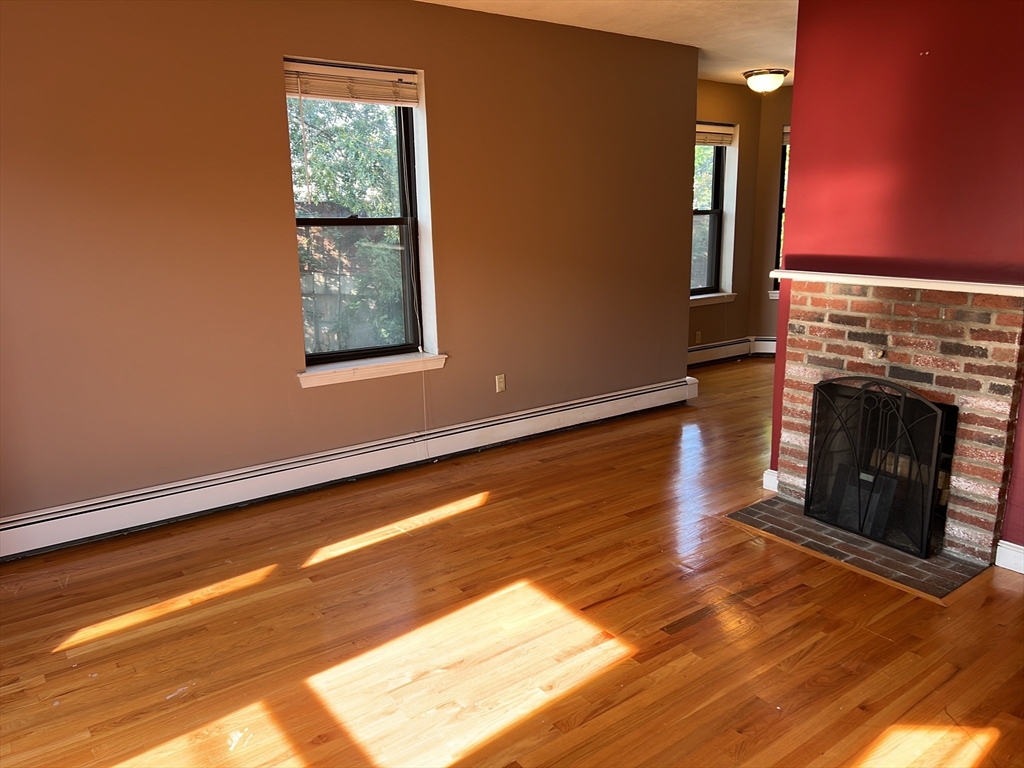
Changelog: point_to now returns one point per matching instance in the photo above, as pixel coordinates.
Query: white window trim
(729, 193)
(428, 358)
(711, 298)
(370, 368)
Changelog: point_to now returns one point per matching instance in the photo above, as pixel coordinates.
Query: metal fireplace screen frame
(874, 460)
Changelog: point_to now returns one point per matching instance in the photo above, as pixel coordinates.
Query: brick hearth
(951, 347)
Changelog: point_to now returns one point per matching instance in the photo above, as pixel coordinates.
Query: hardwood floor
(575, 599)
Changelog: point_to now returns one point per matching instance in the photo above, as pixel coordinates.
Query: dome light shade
(765, 80)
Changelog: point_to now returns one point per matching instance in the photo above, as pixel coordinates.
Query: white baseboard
(46, 528)
(1010, 556)
(723, 350)
(770, 480)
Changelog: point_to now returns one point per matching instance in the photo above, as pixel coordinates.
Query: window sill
(773, 295)
(373, 368)
(711, 298)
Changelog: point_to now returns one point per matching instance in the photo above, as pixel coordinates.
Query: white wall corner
(1010, 556)
(770, 480)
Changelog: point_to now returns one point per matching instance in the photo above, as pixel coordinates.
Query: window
(708, 200)
(352, 156)
(783, 186)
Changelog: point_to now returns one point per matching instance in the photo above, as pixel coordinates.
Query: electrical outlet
(499, 382)
(697, 339)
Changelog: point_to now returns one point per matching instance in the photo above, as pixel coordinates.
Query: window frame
(783, 179)
(716, 211)
(408, 229)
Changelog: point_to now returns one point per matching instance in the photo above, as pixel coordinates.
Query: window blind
(371, 86)
(785, 134)
(715, 135)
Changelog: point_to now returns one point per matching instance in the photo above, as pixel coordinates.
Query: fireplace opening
(879, 462)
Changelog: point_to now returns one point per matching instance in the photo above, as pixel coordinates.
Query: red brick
(799, 301)
(968, 550)
(994, 439)
(1004, 337)
(998, 302)
(981, 420)
(795, 355)
(871, 307)
(898, 357)
(803, 286)
(967, 469)
(1005, 355)
(849, 350)
(793, 451)
(792, 466)
(915, 342)
(916, 310)
(981, 454)
(947, 398)
(889, 324)
(888, 292)
(984, 522)
(854, 320)
(807, 315)
(999, 406)
(995, 371)
(941, 329)
(797, 398)
(939, 363)
(855, 366)
(825, 362)
(795, 426)
(811, 344)
(955, 382)
(944, 297)
(795, 413)
(828, 303)
(843, 289)
(803, 386)
(985, 506)
(824, 332)
(1011, 319)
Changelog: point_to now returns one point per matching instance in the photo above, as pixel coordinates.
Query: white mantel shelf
(997, 289)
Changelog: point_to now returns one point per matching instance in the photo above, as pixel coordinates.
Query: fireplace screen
(879, 461)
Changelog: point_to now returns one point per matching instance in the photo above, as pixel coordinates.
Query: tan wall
(760, 120)
(151, 322)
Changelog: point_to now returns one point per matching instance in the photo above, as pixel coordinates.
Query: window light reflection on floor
(243, 738)
(157, 610)
(435, 694)
(391, 530)
(949, 746)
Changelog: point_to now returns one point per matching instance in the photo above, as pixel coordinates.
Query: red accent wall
(908, 150)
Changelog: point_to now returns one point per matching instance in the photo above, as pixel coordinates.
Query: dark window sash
(409, 238)
(715, 228)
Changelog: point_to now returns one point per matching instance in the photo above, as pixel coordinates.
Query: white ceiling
(732, 35)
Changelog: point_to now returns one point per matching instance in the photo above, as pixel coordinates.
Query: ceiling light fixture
(765, 80)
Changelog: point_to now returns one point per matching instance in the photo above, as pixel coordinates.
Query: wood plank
(736, 649)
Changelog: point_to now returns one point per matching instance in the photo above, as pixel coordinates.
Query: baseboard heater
(47, 528)
(723, 350)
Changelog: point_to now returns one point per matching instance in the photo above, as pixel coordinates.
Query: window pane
(699, 277)
(344, 158)
(703, 177)
(352, 287)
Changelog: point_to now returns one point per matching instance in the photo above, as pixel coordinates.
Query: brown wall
(151, 323)
(760, 120)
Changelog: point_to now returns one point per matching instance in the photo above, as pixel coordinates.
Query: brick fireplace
(959, 345)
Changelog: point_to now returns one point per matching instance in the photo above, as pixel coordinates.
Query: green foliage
(703, 177)
(345, 163)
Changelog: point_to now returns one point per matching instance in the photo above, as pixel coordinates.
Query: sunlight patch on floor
(948, 746)
(158, 610)
(386, 532)
(243, 738)
(435, 694)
